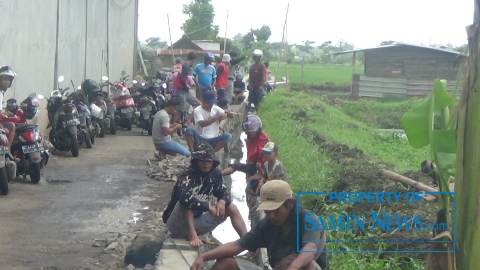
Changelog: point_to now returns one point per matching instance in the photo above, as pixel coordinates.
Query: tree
(156, 43)
(262, 33)
(199, 24)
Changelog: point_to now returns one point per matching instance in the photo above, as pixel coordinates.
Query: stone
(130, 267)
(149, 267)
(112, 246)
(144, 248)
(100, 243)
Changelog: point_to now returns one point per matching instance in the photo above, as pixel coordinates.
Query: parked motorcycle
(27, 147)
(98, 98)
(124, 103)
(98, 107)
(85, 133)
(148, 101)
(63, 118)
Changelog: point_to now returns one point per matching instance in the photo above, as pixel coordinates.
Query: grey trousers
(229, 91)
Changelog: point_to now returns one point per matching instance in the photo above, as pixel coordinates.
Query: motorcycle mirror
(123, 72)
(61, 78)
(104, 78)
(134, 81)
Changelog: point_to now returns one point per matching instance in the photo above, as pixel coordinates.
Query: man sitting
(189, 213)
(277, 232)
(162, 129)
(207, 121)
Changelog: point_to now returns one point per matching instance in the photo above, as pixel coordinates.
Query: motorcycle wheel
(88, 142)
(102, 128)
(3, 181)
(51, 136)
(113, 126)
(35, 173)
(128, 124)
(74, 142)
(92, 139)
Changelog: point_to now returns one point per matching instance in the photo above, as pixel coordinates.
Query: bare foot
(194, 240)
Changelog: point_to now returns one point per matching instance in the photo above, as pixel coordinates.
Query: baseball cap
(273, 194)
(270, 147)
(209, 97)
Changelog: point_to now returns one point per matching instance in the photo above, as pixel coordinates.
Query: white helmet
(257, 52)
(8, 71)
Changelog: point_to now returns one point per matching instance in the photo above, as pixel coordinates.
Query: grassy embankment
(315, 74)
(323, 149)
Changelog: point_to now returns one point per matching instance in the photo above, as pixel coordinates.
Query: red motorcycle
(124, 103)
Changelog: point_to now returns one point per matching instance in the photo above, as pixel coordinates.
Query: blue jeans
(225, 137)
(172, 147)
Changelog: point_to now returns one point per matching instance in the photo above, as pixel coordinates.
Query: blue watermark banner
(372, 222)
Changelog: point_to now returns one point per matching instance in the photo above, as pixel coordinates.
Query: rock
(100, 243)
(144, 248)
(111, 240)
(149, 267)
(130, 267)
(112, 246)
(168, 169)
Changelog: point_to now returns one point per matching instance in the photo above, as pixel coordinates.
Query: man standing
(222, 76)
(256, 80)
(232, 73)
(207, 121)
(205, 73)
(278, 233)
(7, 75)
(162, 129)
(181, 83)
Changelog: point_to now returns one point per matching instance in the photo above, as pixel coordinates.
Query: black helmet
(90, 85)
(30, 107)
(12, 105)
(161, 75)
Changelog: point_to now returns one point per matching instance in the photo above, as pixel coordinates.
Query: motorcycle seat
(24, 127)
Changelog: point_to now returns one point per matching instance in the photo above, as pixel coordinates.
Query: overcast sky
(364, 23)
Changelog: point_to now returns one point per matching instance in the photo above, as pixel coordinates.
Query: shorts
(185, 98)
(178, 227)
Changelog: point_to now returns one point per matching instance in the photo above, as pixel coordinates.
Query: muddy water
(236, 184)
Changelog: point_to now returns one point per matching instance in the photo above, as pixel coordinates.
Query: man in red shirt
(222, 76)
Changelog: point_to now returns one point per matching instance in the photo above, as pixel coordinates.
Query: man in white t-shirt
(207, 121)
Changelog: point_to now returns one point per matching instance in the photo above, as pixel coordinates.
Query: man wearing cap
(222, 76)
(277, 232)
(207, 121)
(189, 212)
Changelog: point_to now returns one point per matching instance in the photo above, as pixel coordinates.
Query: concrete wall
(75, 38)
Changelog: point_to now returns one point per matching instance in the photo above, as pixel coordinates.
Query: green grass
(316, 74)
(310, 169)
(335, 125)
(378, 113)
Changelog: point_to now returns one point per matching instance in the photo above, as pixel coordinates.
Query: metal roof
(399, 44)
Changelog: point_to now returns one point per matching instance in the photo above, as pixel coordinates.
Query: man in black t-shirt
(276, 232)
(238, 89)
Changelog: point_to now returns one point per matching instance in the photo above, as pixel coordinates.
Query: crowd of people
(190, 213)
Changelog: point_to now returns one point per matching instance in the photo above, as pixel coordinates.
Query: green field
(316, 74)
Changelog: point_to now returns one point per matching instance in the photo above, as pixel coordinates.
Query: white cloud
(363, 23)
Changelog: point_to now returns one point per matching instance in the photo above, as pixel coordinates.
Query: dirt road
(53, 224)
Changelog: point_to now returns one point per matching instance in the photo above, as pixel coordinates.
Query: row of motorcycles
(75, 123)
(76, 118)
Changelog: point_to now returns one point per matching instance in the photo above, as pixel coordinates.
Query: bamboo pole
(171, 43)
(286, 52)
(405, 180)
(225, 39)
(279, 53)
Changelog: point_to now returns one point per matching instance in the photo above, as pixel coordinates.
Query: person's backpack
(178, 81)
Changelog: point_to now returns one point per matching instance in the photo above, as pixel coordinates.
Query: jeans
(225, 137)
(172, 147)
(220, 93)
